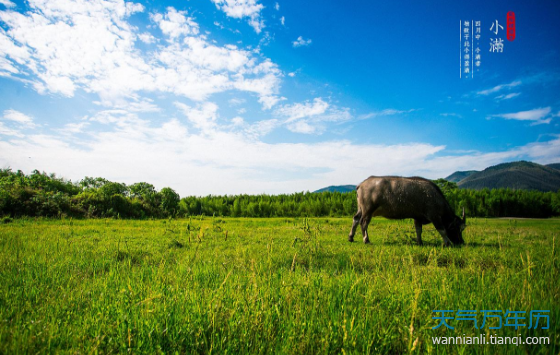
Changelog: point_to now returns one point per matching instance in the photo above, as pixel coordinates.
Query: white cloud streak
(300, 110)
(537, 116)
(12, 123)
(385, 112)
(499, 88)
(508, 96)
(18, 117)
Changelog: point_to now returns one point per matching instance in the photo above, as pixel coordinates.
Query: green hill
(460, 175)
(517, 175)
(342, 188)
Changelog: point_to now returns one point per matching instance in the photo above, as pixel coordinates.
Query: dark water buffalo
(401, 197)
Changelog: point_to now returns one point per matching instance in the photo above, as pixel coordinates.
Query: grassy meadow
(274, 285)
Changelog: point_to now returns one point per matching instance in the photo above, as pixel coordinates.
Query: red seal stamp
(510, 26)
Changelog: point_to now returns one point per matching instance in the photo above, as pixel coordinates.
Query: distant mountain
(521, 175)
(460, 175)
(342, 188)
(517, 175)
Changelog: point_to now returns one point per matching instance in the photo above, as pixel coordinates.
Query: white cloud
(238, 121)
(67, 42)
(536, 115)
(18, 117)
(310, 117)
(175, 23)
(147, 38)
(302, 126)
(300, 110)
(73, 128)
(195, 161)
(277, 6)
(283, 20)
(385, 112)
(141, 105)
(269, 101)
(7, 3)
(202, 117)
(243, 8)
(508, 96)
(13, 122)
(236, 101)
(6, 131)
(450, 114)
(261, 128)
(499, 88)
(301, 42)
(539, 152)
(65, 45)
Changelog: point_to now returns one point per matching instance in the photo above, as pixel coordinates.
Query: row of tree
(41, 194)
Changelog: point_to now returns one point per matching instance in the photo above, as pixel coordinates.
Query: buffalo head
(455, 229)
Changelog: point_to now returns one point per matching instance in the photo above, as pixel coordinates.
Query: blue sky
(251, 96)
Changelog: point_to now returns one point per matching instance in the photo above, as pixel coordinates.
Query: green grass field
(231, 286)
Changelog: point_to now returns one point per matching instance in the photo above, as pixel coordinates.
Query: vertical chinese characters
(496, 43)
(466, 54)
(469, 37)
(477, 54)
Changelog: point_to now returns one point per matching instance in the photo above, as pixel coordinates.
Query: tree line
(45, 195)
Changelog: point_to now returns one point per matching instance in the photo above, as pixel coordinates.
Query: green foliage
(113, 188)
(445, 186)
(89, 183)
(169, 201)
(505, 203)
(142, 190)
(40, 194)
(268, 286)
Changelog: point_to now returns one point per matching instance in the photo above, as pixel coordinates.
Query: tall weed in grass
(282, 285)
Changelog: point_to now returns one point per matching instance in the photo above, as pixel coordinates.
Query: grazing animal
(395, 197)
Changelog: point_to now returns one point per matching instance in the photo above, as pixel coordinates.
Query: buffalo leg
(364, 222)
(355, 222)
(418, 226)
(446, 241)
(441, 229)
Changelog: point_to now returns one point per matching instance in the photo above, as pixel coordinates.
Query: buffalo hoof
(351, 240)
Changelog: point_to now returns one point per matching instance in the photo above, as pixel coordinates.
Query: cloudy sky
(255, 96)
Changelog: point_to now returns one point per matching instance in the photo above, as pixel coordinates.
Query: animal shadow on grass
(442, 261)
(400, 240)
(494, 245)
(438, 243)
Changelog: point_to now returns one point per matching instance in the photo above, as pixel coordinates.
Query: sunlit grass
(279, 285)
